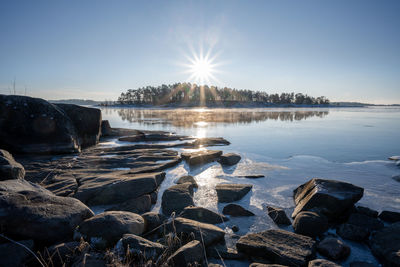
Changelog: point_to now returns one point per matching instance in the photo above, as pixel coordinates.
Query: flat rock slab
(210, 141)
(176, 198)
(328, 197)
(232, 192)
(201, 157)
(278, 246)
(203, 215)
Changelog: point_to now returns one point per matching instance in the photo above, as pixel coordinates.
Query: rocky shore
(67, 200)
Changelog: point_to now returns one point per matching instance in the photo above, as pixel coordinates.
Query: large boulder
(188, 254)
(105, 229)
(87, 122)
(278, 246)
(176, 198)
(33, 125)
(203, 215)
(327, 197)
(28, 211)
(9, 168)
(310, 223)
(385, 244)
(232, 192)
(139, 246)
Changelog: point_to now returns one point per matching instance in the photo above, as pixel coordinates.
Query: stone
(105, 128)
(137, 205)
(365, 221)
(278, 216)
(278, 246)
(232, 192)
(235, 210)
(328, 197)
(210, 141)
(385, 244)
(176, 198)
(333, 249)
(140, 246)
(201, 157)
(87, 123)
(322, 263)
(352, 232)
(235, 228)
(12, 254)
(220, 250)
(310, 224)
(190, 253)
(396, 178)
(9, 168)
(203, 215)
(361, 264)
(187, 179)
(105, 229)
(153, 220)
(28, 211)
(132, 138)
(229, 159)
(62, 185)
(367, 211)
(389, 216)
(34, 126)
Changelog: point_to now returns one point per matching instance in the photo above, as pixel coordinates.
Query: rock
(389, 216)
(107, 189)
(105, 128)
(333, 249)
(64, 254)
(398, 163)
(105, 229)
(65, 185)
(9, 168)
(12, 254)
(236, 211)
(278, 216)
(310, 223)
(396, 178)
(385, 244)
(235, 228)
(205, 232)
(229, 159)
(140, 246)
(187, 179)
(153, 220)
(203, 215)
(327, 197)
(132, 138)
(352, 232)
(367, 211)
(251, 176)
(87, 122)
(256, 264)
(187, 254)
(93, 259)
(361, 264)
(278, 246)
(210, 141)
(34, 126)
(322, 263)
(201, 157)
(365, 221)
(176, 198)
(232, 192)
(395, 158)
(137, 205)
(28, 211)
(220, 250)
(154, 196)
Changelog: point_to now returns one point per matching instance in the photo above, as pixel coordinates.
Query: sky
(344, 50)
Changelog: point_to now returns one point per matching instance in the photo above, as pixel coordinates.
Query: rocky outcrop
(330, 198)
(201, 157)
(187, 179)
(188, 254)
(229, 159)
(9, 168)
(278, 216)
(64, 185)
(139, 246)
(278, 246)
(105, 229)
(310, 224)
(333, 249)
(232, 192)
(235, 210)
(29, 211)
(176, 198)
(203, 215)
(385, 244)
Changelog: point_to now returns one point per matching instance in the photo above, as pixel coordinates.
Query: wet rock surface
(232, 192)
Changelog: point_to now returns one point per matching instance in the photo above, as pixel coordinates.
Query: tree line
(180, 93)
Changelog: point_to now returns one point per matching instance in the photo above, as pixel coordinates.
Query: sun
(201, 68)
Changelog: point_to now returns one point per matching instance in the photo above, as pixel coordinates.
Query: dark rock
(105, 128)
(87, 123)
(310, 223)
(333, 249)
(278, 216)
(154, 196)
(203, 215)
(365, 221)
(201, 157)
(385, 244)
(140, 246)
(187, 179)
(187, 254)
(232, 192)
(153, 220)
(229, 159)
(278, 246)
(33, 125)
(93, 259)
(137, 205)
(220, 250)
(64, 254)
(105, 229)
(367, 211)
(352, 232)
(235, 228)
(133, 138)
(256, 264)
(322, 263)
(389, 216)
(396, 178)
(28, 211)
(236, 211)
(327, 197)
(12, 254)
(176, 198)
(210, 141)
(250, 176)
(9, 168)
(361, 264)
(65, 185)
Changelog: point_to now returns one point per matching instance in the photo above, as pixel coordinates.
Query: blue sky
(345, 50)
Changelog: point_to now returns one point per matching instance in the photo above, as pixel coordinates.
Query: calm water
(289, 146)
